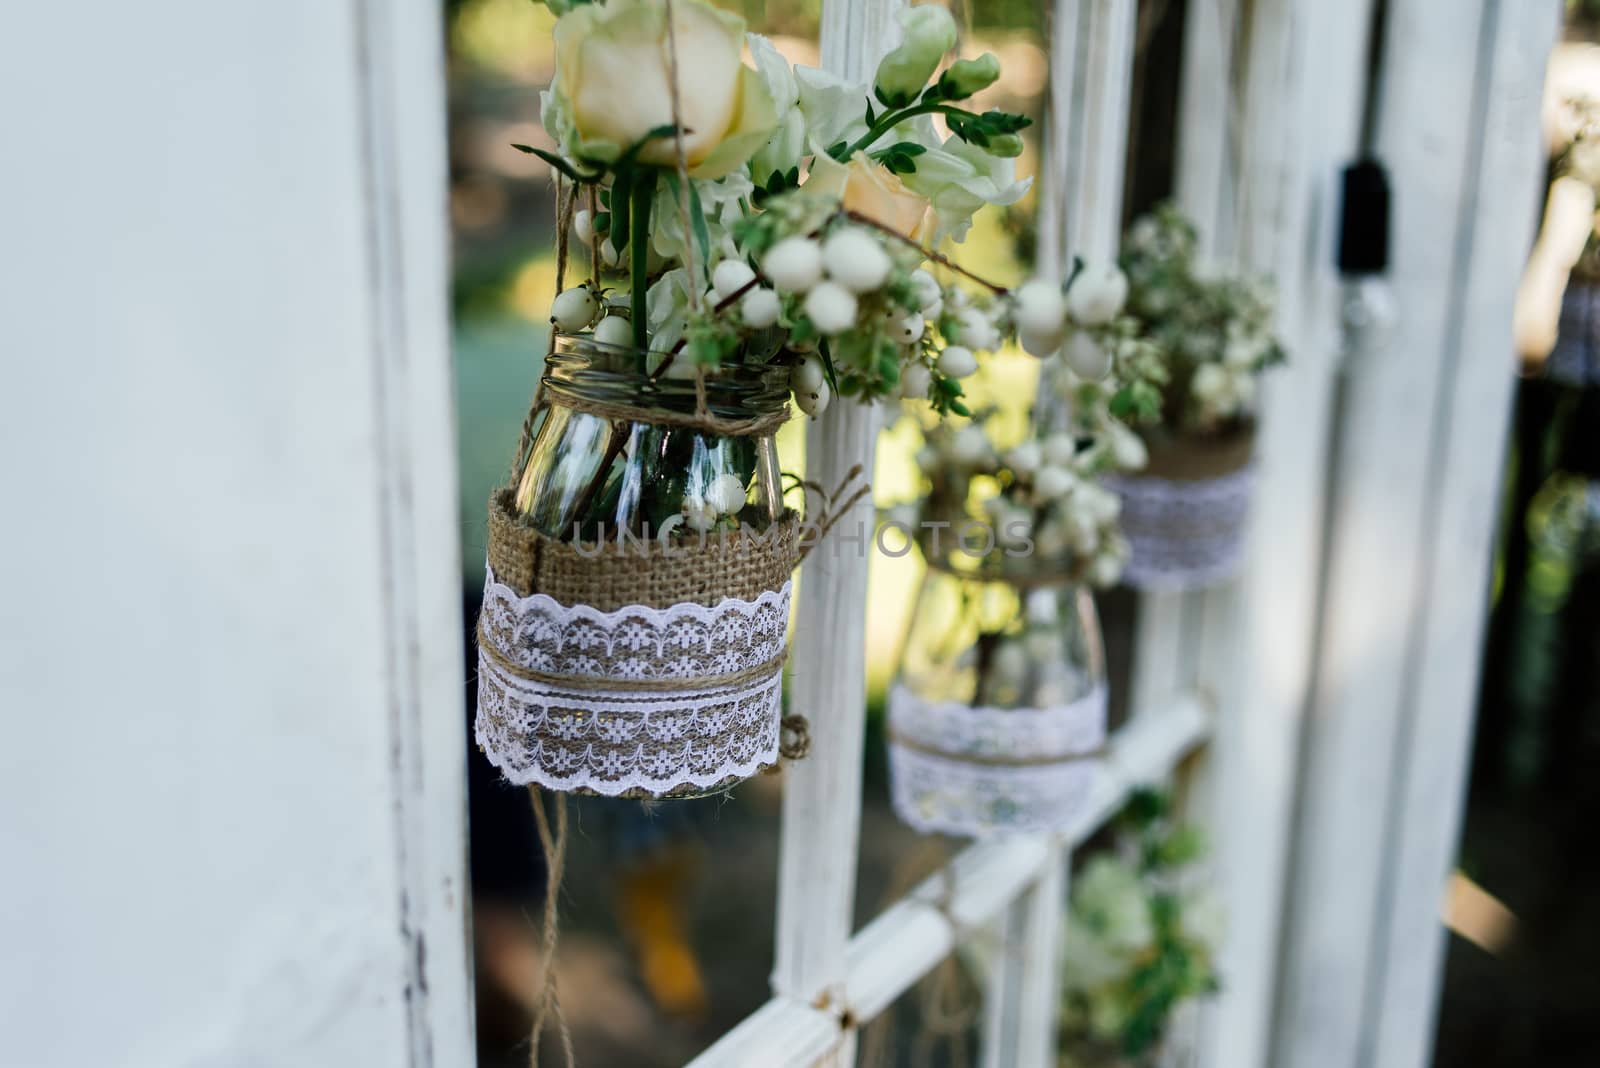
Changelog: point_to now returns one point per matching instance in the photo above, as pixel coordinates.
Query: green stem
(895, 118)
(643, 192)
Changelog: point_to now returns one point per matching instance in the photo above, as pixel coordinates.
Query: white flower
(787, 146)
(831, 308)
(1109, 898)
(1025, 458)
(1041, 309)
(1096, 296)
(957, 361)
(730, 276)
(814, 402)
(574, 309)
(927, 33)
(959, 178)
(793, 265)
(1053, 482)
(613, 85)
(915, 381)
(1087, 357)
(870, 189)
(855, 260)
(809, 377)
(614, 330)
(760, 307)
(1204, 918)
(726, 494)
(1050, 540)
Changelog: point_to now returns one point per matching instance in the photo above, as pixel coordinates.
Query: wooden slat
(911, 937)
(1463, 493)
(1301, 123)
(1418, 449)
(822, 794)
(233, 758)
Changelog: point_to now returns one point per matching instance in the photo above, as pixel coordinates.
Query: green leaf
(828, 369)
(557, 162)
(644, 191)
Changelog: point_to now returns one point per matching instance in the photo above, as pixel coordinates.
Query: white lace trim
(940, 782)
(1185, 535)
(613, 741)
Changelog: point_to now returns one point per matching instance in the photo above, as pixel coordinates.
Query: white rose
(613, 85)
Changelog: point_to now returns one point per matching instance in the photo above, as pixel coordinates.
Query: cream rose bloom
(872, 190)
(613, 85)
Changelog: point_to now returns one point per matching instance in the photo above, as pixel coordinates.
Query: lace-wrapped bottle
(1185, 514)
(998, 713)
(637, 597)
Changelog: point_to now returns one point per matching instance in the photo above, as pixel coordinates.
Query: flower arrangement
(1141, 939)
(1039, 506)
(1185, 514)
(1217, 327)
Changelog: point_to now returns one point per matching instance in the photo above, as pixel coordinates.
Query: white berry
(730, 276)
(855, 261)
(915, 380)
(969, 446)
(760, 307)
(1060, 449)
(583, 226)
(815, 402)
(1052, 482)
(1128, 448)
(1097, 295)
(573, 309)
(1210, 382)
(1087, 357)
(699, 515)
(1105, 571)
(957, 361)
(726, 494)
(925, 287)
(793, 265)
(1040, 345)
(808, 377)
(908, 331)
(1025, 458)
(614, 330)
(977, 330)
(1041, 309)
(831, 308)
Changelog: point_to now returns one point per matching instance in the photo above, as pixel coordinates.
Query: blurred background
(668, 911)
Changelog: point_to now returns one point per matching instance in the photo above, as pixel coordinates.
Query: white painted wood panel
(822, 794)
(1463, 496)
(1407, 462)
(231, 775)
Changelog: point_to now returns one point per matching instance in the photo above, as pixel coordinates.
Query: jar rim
(600, 372)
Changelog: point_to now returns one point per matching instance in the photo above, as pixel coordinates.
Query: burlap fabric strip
(1185, 514)
(957, 769)
(632, 668)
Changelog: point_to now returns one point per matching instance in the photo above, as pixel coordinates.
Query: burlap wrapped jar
(1185, 514)
(637, 597)
(997, 717)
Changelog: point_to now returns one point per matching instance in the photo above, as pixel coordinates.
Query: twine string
(555, 853)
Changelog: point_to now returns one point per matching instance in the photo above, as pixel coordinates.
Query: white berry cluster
(1041, 498)
(1216, 326)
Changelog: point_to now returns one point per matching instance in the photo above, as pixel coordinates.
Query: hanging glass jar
(998, 713)
(1185, 514)
(637, 595)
